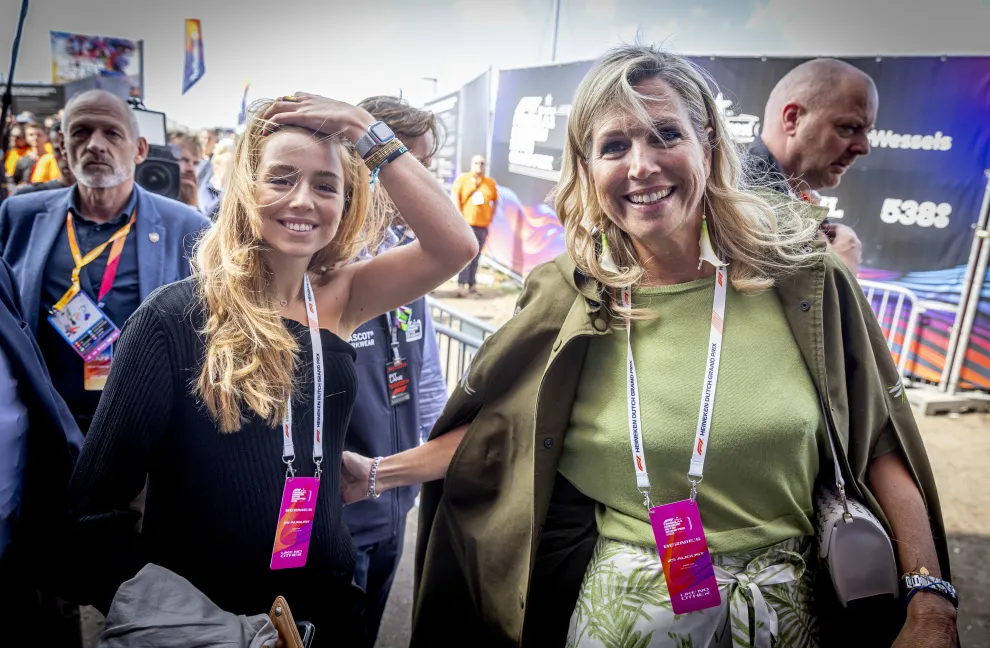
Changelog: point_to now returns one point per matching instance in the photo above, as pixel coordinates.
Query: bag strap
(840, 483)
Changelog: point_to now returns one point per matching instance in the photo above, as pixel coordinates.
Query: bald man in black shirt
(815, 127)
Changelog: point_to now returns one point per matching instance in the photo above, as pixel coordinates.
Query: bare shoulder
(333, 294)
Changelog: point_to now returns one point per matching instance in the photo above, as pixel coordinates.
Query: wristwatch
(378, 134)
(923, 581)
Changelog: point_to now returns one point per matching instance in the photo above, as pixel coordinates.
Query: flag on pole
(195, 67)
(242, 116)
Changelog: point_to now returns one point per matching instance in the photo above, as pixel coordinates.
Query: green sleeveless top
(763, 450)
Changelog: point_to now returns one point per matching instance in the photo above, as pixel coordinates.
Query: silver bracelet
(372, 490)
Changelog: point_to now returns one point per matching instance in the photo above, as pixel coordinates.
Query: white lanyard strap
(288, 452)
(712, 359)
(632, 394)
(700, 447)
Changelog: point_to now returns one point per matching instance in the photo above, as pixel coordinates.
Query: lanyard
(700, 447)
(393, 334)
(81, 261)
(288, 451)
(396, 321)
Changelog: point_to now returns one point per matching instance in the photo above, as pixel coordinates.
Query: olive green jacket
(504, 541)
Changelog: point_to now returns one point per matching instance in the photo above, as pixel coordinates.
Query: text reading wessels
(911, 212)
(892, 140)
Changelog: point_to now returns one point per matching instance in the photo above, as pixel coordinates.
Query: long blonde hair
(250, 355)
(762, 241)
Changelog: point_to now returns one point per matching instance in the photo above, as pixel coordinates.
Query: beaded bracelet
(372, 487)
(375, 160)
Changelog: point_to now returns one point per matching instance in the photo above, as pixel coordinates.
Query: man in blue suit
(104, 240)
(39, 443)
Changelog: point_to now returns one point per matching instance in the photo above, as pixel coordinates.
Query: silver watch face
(381, 132)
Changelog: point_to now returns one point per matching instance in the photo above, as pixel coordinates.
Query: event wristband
(922, 581)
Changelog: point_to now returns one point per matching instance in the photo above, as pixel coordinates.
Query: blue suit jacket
(53, 444)
(166, 231)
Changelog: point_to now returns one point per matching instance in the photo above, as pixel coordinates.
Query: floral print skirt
(767, 601)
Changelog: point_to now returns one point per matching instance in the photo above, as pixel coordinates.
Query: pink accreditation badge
(687, 565)
(295, 522)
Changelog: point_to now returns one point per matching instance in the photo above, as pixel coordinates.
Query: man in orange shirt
(476, 195)
(46, 167)
(66, 179)
(17, 149)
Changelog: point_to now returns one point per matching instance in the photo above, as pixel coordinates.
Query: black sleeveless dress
(213, 499)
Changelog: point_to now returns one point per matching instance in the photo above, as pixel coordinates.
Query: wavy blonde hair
(250, 354)
(763, 238)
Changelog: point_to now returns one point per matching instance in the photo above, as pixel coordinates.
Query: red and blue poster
(195, 67)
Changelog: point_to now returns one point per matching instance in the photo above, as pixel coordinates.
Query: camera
(159, 173)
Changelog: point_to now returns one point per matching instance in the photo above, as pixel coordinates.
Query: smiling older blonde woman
(598, 399)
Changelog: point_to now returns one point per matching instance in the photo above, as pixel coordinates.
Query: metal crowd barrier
(458, 336)
(897, 310)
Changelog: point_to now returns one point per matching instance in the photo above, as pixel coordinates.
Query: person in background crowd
(211, 192)
(17, 148)
(225, 353)
(537, 529)
(207, 141)
(476, 196)
(189, 156)
(814, 128)
(48, 236)
(65, 179)
(45, 166)
(401, 392)
(39, 443)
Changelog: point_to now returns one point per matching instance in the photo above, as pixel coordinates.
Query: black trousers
(470, 273)
(374, 570)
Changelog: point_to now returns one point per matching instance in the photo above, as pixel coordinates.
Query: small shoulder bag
(851, 540)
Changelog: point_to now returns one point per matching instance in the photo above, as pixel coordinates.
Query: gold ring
(290, 98)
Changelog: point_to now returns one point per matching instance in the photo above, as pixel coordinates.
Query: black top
(762, 169)
(123, 299)
(213, 499)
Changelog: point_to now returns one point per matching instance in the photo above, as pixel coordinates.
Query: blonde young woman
(539, 533)
(207, 368)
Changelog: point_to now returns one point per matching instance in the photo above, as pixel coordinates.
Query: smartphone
(306, 631)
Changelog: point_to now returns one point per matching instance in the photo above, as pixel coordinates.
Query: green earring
(608, 263)
(705, 243)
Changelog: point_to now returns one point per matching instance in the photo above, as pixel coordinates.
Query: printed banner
(913, 201)
(445, 162)
(195, 66)
(77, 56)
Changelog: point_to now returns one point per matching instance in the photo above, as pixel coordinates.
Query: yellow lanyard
(81, 261)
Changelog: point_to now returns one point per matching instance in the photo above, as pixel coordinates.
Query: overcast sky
(355, 48)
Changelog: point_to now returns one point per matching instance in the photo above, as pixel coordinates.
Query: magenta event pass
(687, 565)
(295, 522)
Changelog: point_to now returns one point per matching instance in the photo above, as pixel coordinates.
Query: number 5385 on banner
(911, 212)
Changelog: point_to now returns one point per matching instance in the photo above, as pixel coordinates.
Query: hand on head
(318, 114)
